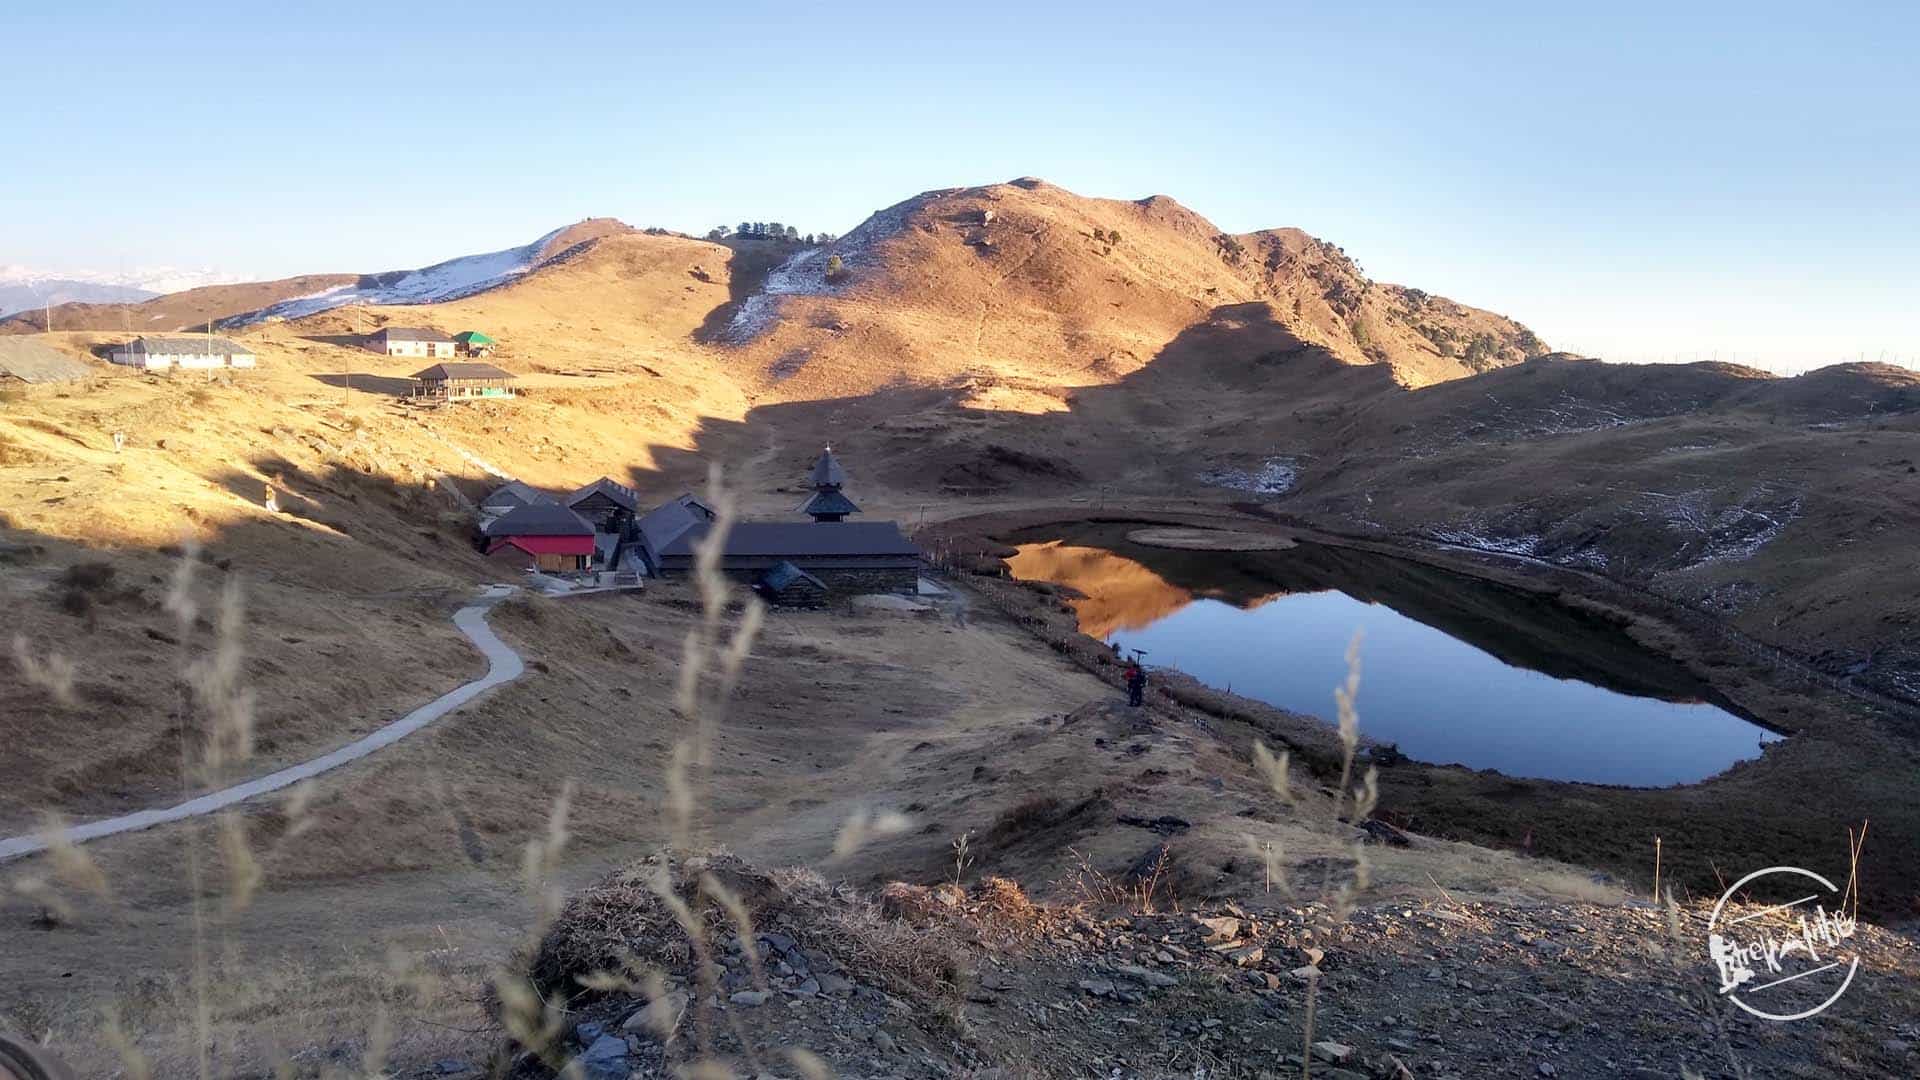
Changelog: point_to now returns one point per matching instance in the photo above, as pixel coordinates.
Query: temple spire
(827, 503)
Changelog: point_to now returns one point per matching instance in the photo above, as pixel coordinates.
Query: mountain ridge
(1067, 259)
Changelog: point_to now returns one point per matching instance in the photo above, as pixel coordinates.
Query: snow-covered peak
(152, 280)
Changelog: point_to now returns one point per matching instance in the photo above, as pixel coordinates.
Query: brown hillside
(1026, 280)
(216, 303)
(175, 311)
(582, 232)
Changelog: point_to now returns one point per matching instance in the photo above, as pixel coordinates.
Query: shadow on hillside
(390, 385)
(1217, 380)
(419, 524)
(747, 270)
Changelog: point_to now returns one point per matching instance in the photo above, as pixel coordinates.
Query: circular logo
(22, 1060)
(1786, 960)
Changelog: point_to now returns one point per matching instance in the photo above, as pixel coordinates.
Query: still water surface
(1440, 697)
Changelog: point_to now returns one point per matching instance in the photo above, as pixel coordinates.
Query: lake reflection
(1440, 698)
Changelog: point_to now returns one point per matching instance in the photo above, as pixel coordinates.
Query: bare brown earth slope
(188, 310)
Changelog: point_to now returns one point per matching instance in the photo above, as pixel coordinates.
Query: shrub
(836, 268)
(1481, 350)
(88, 576)
(75, 601)
(1036, 813)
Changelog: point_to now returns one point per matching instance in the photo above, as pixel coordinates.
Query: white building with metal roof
(183, 351)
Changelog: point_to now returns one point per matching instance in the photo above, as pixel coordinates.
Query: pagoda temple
(828, 502)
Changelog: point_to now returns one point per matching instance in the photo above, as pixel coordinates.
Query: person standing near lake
(1136, 683)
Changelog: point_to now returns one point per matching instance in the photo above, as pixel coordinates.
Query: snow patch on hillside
(449, 280)
(1274, 476)
(1527, 546)
(1718, 533)
(805, 274)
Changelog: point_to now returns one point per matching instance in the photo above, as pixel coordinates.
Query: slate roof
(612, 489)
(663, 524)
(800, 539)
(514, 493)
(828, 501)
(539, 519)
(827, 471)
(462, 370)
(32, 361)
(194, 345)
(411, 333)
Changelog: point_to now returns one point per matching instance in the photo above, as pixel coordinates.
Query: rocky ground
(939, 982)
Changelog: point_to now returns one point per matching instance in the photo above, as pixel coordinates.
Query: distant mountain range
(166, 299)
(23, 288)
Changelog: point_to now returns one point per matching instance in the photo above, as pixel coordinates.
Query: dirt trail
(503, 666)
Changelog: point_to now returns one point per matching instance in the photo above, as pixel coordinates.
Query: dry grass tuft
(53, 673)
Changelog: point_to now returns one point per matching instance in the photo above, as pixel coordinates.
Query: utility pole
(359, 330)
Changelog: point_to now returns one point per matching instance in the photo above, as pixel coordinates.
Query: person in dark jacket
(1136, 682)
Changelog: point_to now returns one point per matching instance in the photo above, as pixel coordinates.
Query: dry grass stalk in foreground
(208, 1022)
(1274, 769)
(679, 892)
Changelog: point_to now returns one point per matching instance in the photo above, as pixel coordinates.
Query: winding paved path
(503, 666)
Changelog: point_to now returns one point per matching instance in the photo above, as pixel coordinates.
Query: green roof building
(473, 343)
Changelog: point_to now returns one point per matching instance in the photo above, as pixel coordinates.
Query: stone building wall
(888, 580)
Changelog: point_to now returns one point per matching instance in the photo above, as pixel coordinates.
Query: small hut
(606, 502)
(472, 343)
(462, 382)
(182, 351)
(541, 536)
(410, 341)
(664, 524)
(789, 586)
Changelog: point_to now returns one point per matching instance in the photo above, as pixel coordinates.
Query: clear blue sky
(1632, 181)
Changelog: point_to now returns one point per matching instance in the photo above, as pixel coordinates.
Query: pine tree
(745, 229)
